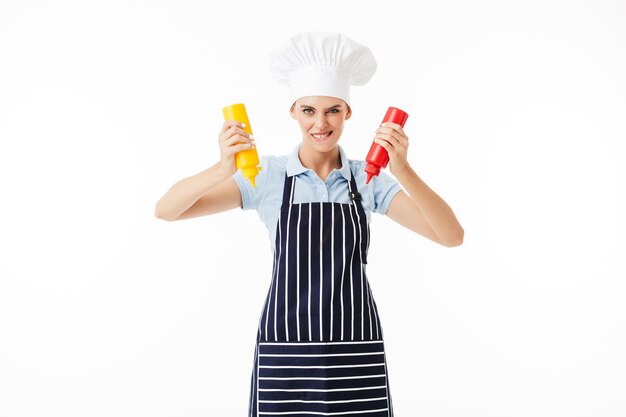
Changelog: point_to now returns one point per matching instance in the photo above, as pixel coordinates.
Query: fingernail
(243, 124)
(251, 136)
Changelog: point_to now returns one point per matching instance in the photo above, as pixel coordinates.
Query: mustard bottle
(247, 160)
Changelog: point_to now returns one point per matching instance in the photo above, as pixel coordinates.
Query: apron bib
(319, 347)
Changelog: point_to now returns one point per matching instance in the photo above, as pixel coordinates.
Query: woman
(319, 347)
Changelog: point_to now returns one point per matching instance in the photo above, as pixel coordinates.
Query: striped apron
(319, 347)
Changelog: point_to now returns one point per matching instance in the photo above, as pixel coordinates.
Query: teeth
(320, 136)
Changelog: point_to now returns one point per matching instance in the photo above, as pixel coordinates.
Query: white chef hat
(317, 63)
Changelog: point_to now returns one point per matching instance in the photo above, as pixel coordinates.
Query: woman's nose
(320, 121)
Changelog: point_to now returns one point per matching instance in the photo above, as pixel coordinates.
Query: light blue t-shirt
(266, 197)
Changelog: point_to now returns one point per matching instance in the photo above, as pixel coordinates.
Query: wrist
(404, 171)
(221, 172)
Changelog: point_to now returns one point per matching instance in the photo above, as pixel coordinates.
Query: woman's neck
(321, 162)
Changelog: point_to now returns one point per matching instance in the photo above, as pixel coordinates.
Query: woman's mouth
(321, 136)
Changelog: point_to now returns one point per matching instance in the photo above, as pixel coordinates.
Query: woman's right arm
(212, 190)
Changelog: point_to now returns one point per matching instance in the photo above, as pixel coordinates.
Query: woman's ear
(292, 112)
(348, 112)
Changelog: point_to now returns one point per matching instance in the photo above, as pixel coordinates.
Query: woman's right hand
(232, 139)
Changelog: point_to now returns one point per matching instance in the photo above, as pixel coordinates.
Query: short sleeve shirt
(266, 197)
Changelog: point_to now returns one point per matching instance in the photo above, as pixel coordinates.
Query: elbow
(457, 241)
(159, 214)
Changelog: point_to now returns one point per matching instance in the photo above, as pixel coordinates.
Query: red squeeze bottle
(377, 158)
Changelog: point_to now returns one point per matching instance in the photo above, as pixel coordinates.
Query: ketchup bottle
(377, 158)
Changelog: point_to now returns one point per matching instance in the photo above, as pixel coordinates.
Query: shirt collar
(295, 167)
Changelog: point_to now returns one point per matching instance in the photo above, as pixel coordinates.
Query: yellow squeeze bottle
(247, 160)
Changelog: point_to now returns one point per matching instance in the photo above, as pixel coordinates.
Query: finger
(236, 138)
(389, 137)
(387, 130)
(382, 142)
(393, 125)
(391, 128)
(229, 123)
(233, 130)
(233, 140)
(232, 150)
(396, 127)
(402, 140)
(243, 147)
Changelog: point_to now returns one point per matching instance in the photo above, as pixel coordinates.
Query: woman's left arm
(421, 210)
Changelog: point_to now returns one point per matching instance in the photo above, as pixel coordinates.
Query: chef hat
(321, 64)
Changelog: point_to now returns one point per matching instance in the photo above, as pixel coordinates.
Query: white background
(516, 119)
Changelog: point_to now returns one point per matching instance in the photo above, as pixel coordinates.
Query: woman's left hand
(391, 136)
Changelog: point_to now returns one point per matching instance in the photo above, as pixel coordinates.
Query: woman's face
(321, 120)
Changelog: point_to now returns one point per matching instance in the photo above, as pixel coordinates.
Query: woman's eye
(311, 110)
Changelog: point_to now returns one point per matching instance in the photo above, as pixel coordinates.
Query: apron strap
(355, 196)
(288, 189)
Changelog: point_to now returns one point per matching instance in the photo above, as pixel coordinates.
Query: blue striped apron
(319, 347)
